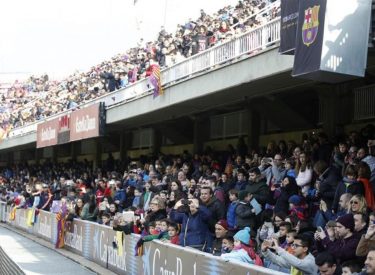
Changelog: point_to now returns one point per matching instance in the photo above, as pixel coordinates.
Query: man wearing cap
(345, 245)
(221, 230)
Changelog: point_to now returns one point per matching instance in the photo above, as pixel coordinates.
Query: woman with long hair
(304, 172)
(364, 175)
(358, 205)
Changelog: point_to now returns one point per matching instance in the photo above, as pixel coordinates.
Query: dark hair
(208, 188)
(287, 225)
(325, 258)
(305, 240)
(320, 166)
(233, 192)
(175, 226)
(364, 170)
(229, 238)
(255, 170)
(351, 171)
(353, 265)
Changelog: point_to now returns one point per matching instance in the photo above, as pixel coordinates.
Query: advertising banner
(47, 133)
(63, 134)
(288, 28)
(43, 225)
(87, 122)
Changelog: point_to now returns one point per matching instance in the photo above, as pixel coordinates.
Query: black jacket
(218, 212)
(259, 190)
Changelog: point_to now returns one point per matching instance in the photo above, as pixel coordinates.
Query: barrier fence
(116, 251)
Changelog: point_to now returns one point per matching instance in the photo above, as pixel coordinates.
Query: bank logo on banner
(310, 25)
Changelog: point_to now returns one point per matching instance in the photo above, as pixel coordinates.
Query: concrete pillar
(98, 153)
(38, 155)
(125, 144)
(253, 129)
(74, 149)
(201, 133)
(157, 141)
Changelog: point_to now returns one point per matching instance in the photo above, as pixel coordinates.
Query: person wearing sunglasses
(300, 261)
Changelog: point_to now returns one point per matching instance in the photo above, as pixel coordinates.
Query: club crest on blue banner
(310, 25)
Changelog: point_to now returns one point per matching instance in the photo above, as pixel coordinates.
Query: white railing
(244, 46)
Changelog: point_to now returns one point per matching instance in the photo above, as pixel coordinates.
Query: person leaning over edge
(302, 262)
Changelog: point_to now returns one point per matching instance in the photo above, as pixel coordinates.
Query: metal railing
(364, 102)
(243, 46)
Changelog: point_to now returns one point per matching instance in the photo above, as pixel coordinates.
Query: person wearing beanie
(242, 251)
(297, 207)
(221, 230)
(343, 244)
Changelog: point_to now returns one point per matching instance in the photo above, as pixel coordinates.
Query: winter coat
(156, 216)
(194, 228)
(231, 214)
(217, 211)
(259, 190)
(245, 216)
(328, 184)
(282, 202)
(239, 255)
(347, 186)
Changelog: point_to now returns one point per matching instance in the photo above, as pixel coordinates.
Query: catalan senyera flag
(155, 80)
(61, 218)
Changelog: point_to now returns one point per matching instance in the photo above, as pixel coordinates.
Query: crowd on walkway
(298, 208)
(39, 97)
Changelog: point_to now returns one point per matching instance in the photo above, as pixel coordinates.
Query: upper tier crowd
(40, 97)
(296, 207)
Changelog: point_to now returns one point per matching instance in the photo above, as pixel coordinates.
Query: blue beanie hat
(295, 199)
(243, 236)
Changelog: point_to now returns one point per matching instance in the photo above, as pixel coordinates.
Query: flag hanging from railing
(61, 219)
(155, 80)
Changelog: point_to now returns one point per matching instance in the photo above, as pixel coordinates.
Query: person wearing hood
(349, 184)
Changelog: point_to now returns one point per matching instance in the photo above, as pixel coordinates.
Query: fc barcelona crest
(310, 25)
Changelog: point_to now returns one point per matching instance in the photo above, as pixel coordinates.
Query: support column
(253, 129)
(157, 142)
(74, 149)
(200, 134)
(125, 143)
(98, 153)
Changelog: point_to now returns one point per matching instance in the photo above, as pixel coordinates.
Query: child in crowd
(231, 213)
(285, 228)
(289, 240)
(242, 251)
(227, 244)
(137, 198)
(267, 230)
(159, 232)
(297, 206)
(106, 219)
(173, 232)
(351, 267)
(289, 167)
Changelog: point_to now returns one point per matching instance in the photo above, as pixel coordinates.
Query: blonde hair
(362, 204)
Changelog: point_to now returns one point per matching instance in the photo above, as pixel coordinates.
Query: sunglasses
(354, 202)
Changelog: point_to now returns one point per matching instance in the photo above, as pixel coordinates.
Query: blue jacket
(231, 214)
(194, 229)
(120, 195)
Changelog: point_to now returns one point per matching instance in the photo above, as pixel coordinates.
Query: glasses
(354, 202)
(294, 245)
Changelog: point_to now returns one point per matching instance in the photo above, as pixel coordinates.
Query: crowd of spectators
(297, 208)
(39, 97)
